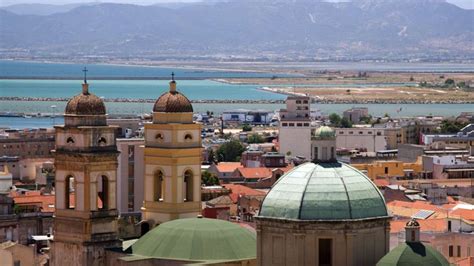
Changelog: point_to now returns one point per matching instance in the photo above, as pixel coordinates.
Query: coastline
(237, 101)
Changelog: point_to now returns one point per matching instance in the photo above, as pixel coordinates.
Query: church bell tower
(172, 160)
(85, 219)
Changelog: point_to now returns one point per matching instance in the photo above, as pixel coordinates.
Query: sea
(62, 80)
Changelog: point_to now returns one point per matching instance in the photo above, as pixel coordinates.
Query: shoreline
(236, 101)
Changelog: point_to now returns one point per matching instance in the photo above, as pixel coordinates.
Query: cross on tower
(85, 74)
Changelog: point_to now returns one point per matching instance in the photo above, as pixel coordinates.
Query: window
(158, 188)
(449, 226)
(102, 193)
(459, 251)
(299, 124)
(70, 140)
(351, 132)
(305, 101)
(325, 252)
(332, 153)
(386, 170)
(360, 132)
(69, 185)
(292, 124)
(306, 124)
(468, 251)
(379, 133)
(102, 141)
(285, 124)
(451, 251)
(341, 132)
(188, 185)
(298, 102)
(188, 137)
(159, 137)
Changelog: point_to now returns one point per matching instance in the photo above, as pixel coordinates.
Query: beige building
(172, 161)
(364, 138)
(356, 114)
(85, 219)
(295, 124)
(130, 174)
(327, 213)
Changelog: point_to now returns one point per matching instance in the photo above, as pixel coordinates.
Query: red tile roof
(468, 261)
(226, 167)
(430, 225)
(407, 209)
(381, 183)
(237, 190)
(256, 172)
(463, 214)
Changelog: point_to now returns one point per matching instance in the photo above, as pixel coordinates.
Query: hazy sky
(462, 3)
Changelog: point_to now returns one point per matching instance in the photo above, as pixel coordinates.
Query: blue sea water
(22, 69)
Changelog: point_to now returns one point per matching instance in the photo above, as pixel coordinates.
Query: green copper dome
(413, 254)
(324, 132)
(326, 191)
(197, 239)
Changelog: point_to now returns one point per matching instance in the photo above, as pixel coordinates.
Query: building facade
(85, 220)
(295, 123)
(172, 161)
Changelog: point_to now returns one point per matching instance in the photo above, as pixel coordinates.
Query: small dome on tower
(85, 104)
(85, 109)
(324, 132)
(173, 101)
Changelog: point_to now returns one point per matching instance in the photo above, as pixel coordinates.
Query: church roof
(325, 191)
(197, 239)
(324, 132)
(173, 101)
(415, 253)
(85, 103)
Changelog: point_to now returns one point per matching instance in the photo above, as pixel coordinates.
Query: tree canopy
(230, 151)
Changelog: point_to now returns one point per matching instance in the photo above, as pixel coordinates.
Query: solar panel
(422, 214)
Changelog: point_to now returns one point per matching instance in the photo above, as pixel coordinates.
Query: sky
(469, 4)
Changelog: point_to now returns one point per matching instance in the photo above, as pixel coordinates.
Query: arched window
(102, 141)
(188, 137)
(188, 185)
(70, 140)
(158, 193)
(159, 137)
(102, 193)
(69, 185)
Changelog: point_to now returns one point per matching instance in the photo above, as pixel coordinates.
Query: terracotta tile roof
(257, 172)
(237, 190)
(468, 261)
(463, 214)
(45, 202)
(407, 209)
(381, 183)
(226, 167)
(430, 225)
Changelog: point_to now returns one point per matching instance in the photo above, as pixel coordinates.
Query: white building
(6, 180)
(248, 116)
(368, 138)
(295, 127)
(130, 175)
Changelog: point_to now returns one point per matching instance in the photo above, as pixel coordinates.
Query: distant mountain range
(261, 28)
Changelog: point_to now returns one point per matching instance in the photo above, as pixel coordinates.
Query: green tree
(211, 156)
(255, 138)
(246, 128)
(335, 119)
(449, 82)
(230, 151)
(209, 179)
(366, 119)
(346, 123)
(450, 126)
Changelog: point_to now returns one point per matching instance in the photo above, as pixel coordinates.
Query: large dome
(415, 253)
(85, 104)
(173, 102)
(197, 239)
(326, 191)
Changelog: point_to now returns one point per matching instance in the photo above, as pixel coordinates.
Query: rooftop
(326, 191)
(198, 240)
